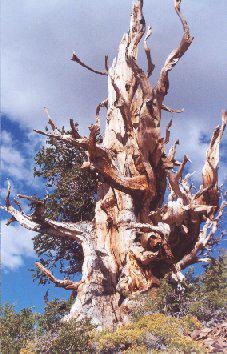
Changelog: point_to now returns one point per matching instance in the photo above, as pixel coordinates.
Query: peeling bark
(135, 238)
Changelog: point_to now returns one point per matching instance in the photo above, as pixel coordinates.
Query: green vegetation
(161, 322)
(70, 196)
(203, 296)
(157, 331)
(16, 328)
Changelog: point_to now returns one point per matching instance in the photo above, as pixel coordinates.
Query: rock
(213, 338)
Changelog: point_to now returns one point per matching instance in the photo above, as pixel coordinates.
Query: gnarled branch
(210, 193)
(142, 78)
(77, 60)
(39, 223)
(98, 108)
(50, 120)
(74, 127)
(150, 65)
(100, 160)
(162, 228)
(174, 179)
(66, 283)
(205, 237)
(166, 141)
(163, 82)
(137, 27)
(171, 110)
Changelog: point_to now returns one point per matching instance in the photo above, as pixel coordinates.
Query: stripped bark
(135, 238)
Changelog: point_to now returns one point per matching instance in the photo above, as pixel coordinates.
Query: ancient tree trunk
(136, 237)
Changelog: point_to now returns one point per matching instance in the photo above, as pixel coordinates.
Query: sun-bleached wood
(136, 236)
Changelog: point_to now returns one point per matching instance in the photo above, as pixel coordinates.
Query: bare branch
(206, 235)
(169, 161)
(173, 150)
(171, 110)
(137, 27)
(10, 220)
(31, 199)
(168, 132)
(204, 259)
(100, 160)
(66, 283)
(163, 82)
(50, 120)
(107, 63)
(7, 200)
(18, 204)
(212, 161)
(141, 77)
(77, 60)
(98, 108)
(209, 192)
(38, 223)
(150, 65)
(174, 178)
(65, 138)
(74, 127)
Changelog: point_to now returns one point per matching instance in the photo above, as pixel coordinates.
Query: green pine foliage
(54, 311)
(70, 196)
(16, 328)
(70, 189)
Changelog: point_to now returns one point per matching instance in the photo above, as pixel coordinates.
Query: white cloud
(16, 244)
(6, 137)
(15, 164)
(189, 131)
(39, 37)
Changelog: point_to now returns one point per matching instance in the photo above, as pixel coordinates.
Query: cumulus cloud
(16, 243)
(17, 162)
(39, 38)
(6, 137)
(37, 42)
(12, 162)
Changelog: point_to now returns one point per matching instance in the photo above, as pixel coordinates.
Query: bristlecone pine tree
(137, 235)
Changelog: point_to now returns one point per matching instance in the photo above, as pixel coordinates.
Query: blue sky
(38, 38)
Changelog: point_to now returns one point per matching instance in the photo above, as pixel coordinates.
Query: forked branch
(206, 236)
(39, 223)
(101, 160)
(175, 178)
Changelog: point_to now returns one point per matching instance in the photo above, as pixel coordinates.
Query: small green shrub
(54, 311)
(16, 328)
(70, 337)
(74, 337)
(155, 331)
(202, 296)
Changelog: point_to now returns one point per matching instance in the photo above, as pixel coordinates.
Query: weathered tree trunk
(136, 237)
